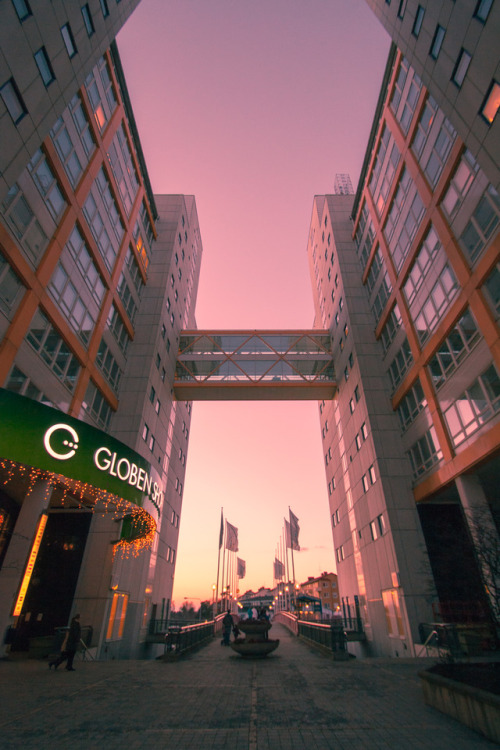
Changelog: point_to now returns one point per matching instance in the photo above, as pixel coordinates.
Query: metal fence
(331, 637)
(183, 638)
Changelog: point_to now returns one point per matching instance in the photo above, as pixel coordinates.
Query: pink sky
(253, 108)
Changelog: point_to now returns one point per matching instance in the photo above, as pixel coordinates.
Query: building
(453, 49)
(406, 276)
(325, 588)
(261, 598)
(97, 278)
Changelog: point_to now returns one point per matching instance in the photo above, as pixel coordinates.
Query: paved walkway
(293, 700)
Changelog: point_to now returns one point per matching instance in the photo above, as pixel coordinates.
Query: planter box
(455, 690)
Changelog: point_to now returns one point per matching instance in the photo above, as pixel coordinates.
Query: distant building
(261, 598)
(97, 279)
(343, 185)
(325, 588)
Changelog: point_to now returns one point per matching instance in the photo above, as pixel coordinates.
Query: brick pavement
(213, 699)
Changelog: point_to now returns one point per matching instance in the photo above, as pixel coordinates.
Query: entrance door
(55, 575)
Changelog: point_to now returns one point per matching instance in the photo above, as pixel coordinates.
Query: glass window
(482, 224)
(118, 329)
(475, 406)
(400, 364)
(87, 19)
(81, 124)
(23, 223)
(425, 453)
(434, 307)
(13, 100)
(68, 40)
(96, 406)
(44, 66)
(53, 350)
(437, 42)
(424, 125)
(419, 18)
(389, 331)
(411, 405)
(492, 289)
(46, 183)
(482, 9)
(71, 304)
(373, 476)
(104, 8)
(22, 9)
(454, 349)
(461, 67)
(10, 286)
(108, 365)
(364, 480)
(80, 252)
(116, 621)
(440, 150)
(491, 102)
(66, 151)
(460, 184)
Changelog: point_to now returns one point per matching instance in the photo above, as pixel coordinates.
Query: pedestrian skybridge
(254, 365)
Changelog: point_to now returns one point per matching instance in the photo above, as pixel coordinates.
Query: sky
(253, 107)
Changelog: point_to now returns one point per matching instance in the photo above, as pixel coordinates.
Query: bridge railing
(184, 638)
(330, 636)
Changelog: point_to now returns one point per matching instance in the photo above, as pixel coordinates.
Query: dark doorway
(453, 562)
(52, 586)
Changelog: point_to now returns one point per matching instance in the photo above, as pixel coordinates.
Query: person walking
(227, 624)
(69, 646)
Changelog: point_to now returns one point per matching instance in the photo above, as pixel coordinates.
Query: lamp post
(214, 588)
(193, 598)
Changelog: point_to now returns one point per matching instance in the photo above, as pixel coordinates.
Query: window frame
(44, 66)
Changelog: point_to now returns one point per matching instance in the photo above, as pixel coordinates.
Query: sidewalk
(293, 700)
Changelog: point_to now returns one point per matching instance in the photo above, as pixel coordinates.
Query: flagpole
(287, 571)
(284, 573)
(224, 542)
(291, 547)
(221, 540)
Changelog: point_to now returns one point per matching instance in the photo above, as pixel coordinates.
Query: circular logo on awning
(70, 445)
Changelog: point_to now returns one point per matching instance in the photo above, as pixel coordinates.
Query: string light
(88, 496)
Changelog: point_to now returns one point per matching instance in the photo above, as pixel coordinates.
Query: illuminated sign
(30, 565)
(34, 435)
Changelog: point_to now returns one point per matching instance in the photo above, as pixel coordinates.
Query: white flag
(294, 532)
(231, 537)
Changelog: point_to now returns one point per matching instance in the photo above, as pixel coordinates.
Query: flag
(242, 568)
(231, 537)
(288, 534)
(279, 569)
(294, 532)
(221, 532)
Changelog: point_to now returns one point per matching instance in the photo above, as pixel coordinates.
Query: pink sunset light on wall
(253, 108)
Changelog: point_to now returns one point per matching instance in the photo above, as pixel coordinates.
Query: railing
(180, 639)
(288, 620)
(331, 637)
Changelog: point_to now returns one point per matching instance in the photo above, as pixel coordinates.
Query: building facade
(97, 279)
(406, 275)
(453, 49)
(325, 588)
